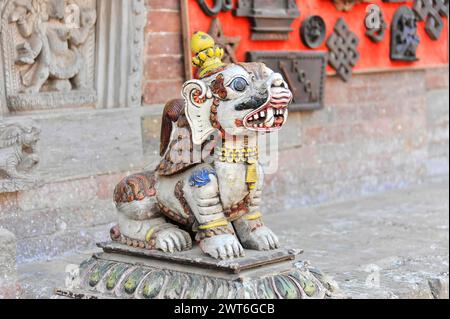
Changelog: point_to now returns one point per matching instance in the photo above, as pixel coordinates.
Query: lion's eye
(239, 84)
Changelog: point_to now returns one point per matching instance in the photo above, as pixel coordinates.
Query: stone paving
(394, 245)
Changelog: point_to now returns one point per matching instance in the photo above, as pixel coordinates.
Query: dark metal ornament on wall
(313, 31)
(270, 19)
(404, 38)
(303, 71)
(228, 43)
(375, 24)
(347, 5)
(343, 46)
(431, 11)
(217, 7)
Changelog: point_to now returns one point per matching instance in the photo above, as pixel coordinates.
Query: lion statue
(17, 155)
(209, 182)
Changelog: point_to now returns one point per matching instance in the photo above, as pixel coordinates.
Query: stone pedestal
(123, 272)
(8, 267)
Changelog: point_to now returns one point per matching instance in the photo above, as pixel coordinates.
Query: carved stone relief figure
(51, 47)
(48, 47)
(17, 156)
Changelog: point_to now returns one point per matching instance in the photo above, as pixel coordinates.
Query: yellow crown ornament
(208, 56)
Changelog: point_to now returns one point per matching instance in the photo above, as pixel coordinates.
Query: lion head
(237, 99)
(19, 135)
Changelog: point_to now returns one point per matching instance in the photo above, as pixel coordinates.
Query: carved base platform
(130, 273)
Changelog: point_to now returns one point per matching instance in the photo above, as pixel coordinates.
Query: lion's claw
(222, 247)
(173, 240)
(261, 238)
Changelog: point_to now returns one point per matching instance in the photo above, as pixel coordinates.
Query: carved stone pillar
(120, 45)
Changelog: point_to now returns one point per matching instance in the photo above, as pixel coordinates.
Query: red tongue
(279, 120)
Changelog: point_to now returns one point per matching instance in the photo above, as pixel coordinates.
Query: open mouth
(271, 116)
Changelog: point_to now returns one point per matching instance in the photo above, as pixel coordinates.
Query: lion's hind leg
(11, 170)
(140, 222)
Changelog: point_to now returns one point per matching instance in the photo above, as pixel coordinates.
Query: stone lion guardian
(209, 182)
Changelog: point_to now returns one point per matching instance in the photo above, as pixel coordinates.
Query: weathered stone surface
(8, 267)
(8, 203)
(387, 246)
(394, 245)
(57, 244)
(438, 132)
(80, 144)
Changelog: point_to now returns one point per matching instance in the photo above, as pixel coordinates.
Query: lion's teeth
(262, 114)
(270, 118)
(256, 116)
(270, 122)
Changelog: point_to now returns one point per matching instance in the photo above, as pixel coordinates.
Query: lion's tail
(172, 112)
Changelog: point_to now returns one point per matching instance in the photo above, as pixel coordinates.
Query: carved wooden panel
(271, 19)
(48, 49)
(303, 71)
(343, 46)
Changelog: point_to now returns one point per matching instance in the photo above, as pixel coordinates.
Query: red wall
(374, 56)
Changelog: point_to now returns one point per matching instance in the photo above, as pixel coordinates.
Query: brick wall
(378, 132)
(164, 71)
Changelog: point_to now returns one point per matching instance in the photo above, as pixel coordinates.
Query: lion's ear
(199, 101)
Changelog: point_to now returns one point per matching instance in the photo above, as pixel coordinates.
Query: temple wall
(381, 131)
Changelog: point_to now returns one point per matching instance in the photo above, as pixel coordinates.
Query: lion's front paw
(222, 246)
(261, 238)
(172, 240)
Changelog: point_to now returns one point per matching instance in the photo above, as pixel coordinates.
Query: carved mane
(11, 135)
(172, 112)
(177, 147)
